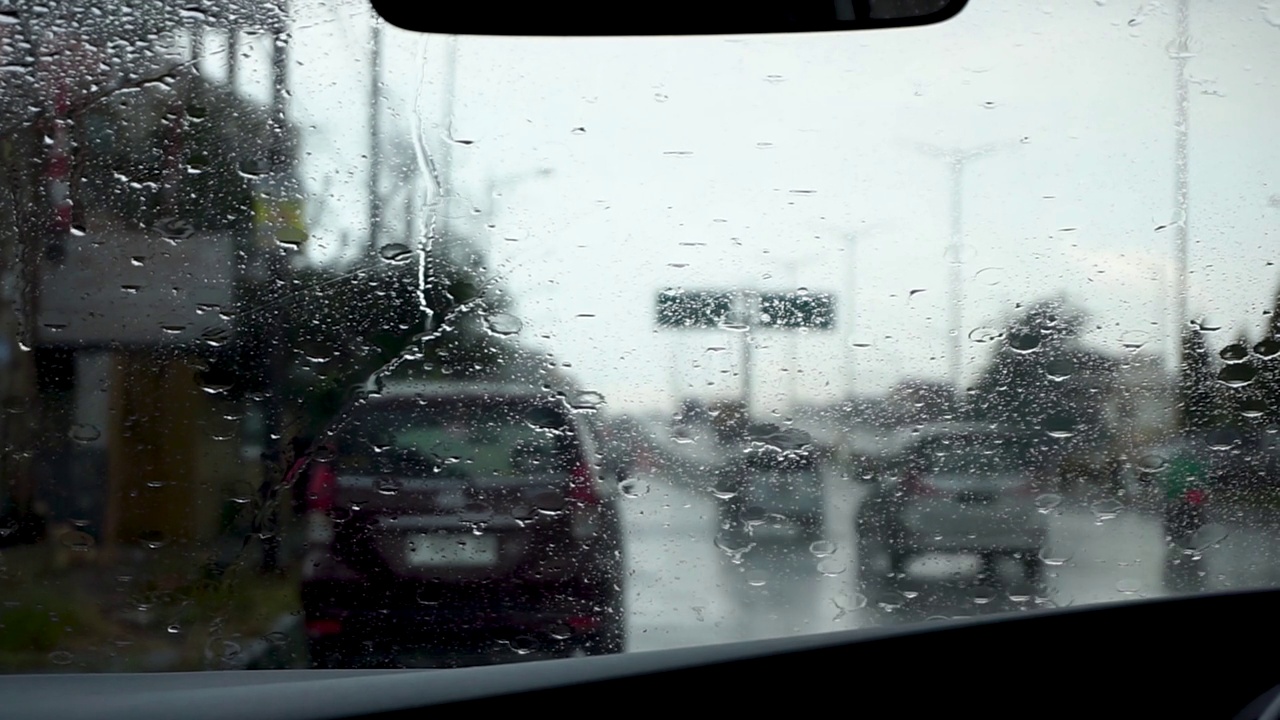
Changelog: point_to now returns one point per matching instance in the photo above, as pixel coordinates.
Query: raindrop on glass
(822, 548)
(524, 645)
(1106, 509)
(76, 540)
(396, 253)
(1128, 587)
(1235, 352)
(1152, 463)
(983, 334)
(61, 657)
(1237, 375)
(85, 433)
(503, 324)
(1059, 369)
(831, 567)
(633, 487)
(1023, 342)
(1047, 502)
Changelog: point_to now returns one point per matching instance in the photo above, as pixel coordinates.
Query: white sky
(1082, 98)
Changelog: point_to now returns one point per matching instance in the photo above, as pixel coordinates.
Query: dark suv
(460, 524)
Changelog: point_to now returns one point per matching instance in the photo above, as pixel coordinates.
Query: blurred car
(775, 481)
(452, 522)
(957, 489)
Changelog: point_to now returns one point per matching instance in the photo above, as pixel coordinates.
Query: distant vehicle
(446, 522)
(957, 488)
(775, 481)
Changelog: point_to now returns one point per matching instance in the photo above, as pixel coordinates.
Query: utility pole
(1180, 51)
(375, 138)
(956, 160)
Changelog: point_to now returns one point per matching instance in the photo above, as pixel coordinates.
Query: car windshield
(271, 269)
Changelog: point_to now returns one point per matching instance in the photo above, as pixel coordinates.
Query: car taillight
(321, 488)
(1195, 497)
(319, 627)
(582, 485)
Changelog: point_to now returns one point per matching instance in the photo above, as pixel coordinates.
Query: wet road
(686, 589)
(690, 583)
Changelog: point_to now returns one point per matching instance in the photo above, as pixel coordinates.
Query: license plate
(452, 550)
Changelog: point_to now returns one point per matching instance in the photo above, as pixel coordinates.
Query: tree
(1200, 402)
(1042, 379)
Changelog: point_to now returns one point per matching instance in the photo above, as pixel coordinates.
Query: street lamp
(957, 158)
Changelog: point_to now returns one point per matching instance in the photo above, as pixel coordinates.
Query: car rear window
(493, 438)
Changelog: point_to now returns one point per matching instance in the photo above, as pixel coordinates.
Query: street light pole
(957, 159)
(1181, 52)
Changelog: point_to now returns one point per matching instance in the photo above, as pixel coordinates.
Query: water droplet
(560, 631)
(831, 567)
(1237, 375)
(1059, 369)
(230, 650)
(389, 485)
(1134, 340)
(1060, 427)
(822, 548)
(1023, 342)
(395, 252)
(1128, 587)
(524, 645)
(254, 168)
(734, 327)
(1253, 407)
(175, 228)
(85, 433)
(757, 578)
(1151, 463)
(990, 276)
(173, 329)
(989, 105)
(1235, 352)
(1267, 348)
(1047, 502)
(153, 539)
(61, 657)
(503, 324)
(174, 628)
(1222, 439)
(850, 601)
(587, 400)
(775, 79)
(735, 549)
(276, 638)
(215, 388)
(634, 487)
(548, 502)
(983, 594)
(1107, 508)
(1049, 556)
(76, 540)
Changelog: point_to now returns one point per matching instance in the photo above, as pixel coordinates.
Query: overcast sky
(777, 162)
